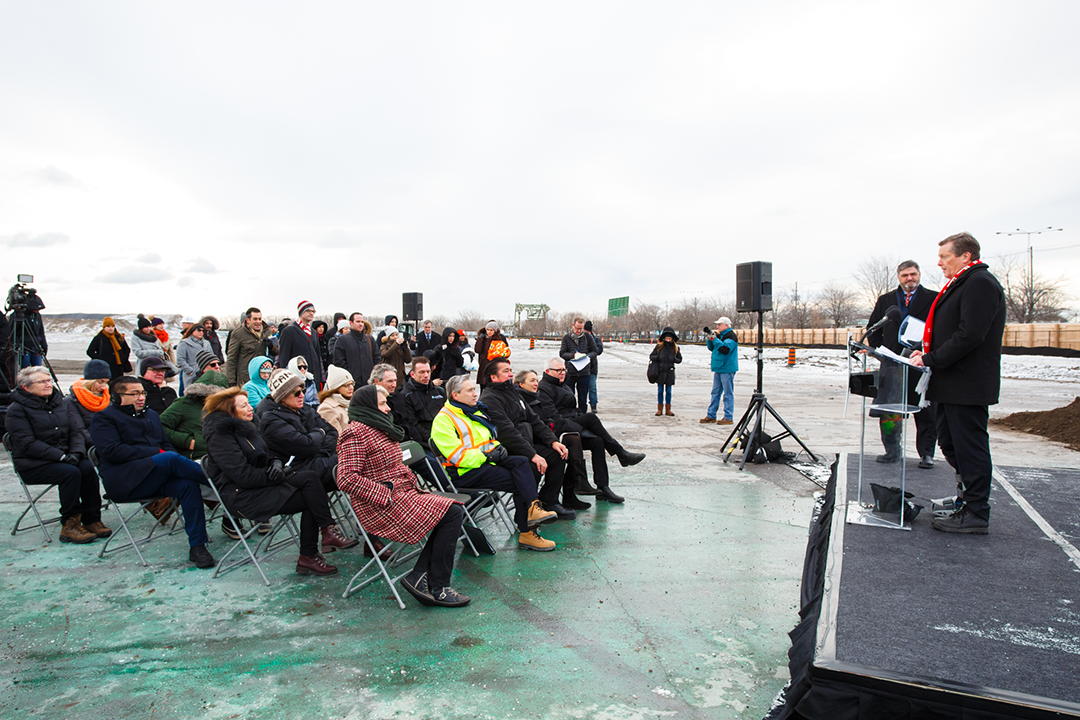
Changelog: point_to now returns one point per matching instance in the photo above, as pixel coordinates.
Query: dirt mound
(1060, 424)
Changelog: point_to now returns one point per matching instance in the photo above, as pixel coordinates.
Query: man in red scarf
(962, 348)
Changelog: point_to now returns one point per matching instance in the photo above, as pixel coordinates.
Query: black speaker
(412, 307)
(753, 286)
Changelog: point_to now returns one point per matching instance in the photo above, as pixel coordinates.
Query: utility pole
(1031, 256)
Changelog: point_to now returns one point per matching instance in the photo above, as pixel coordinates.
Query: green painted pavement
(676, 604)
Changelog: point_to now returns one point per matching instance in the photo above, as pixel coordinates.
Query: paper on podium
(911, 332)
(886, 352)
(580, 363)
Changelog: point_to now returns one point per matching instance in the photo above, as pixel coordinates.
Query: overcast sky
(202, 157)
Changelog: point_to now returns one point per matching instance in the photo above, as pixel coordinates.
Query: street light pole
(1031, 260)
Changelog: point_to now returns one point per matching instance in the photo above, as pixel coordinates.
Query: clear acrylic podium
(890, 395)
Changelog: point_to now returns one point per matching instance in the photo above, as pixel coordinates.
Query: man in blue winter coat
(725, 363)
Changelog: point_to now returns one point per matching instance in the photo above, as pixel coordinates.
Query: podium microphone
(892, 314)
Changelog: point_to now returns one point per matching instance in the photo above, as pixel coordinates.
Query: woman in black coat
(667, 355)
(109, 345)
(48, 447)
(257, 488)
(448, 357)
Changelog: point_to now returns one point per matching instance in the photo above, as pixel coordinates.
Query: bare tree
(646, 318)
(838, 304)
(1031, 298)
(875, 276)
(469, 320)
(438, 322)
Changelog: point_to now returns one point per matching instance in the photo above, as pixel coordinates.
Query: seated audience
(294, 430)
(465, 437)
(335, 396)
(256, 487)
(562, 410)
(299, 367)
(159, 396)
(523, 433)
(90, 394)
(183, 420)
(110, 346)
(48, 447)
(137, 462)
(388, 503)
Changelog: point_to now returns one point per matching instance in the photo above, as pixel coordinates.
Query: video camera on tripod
(20, 297)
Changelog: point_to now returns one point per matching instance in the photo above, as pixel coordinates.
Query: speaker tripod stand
(751, 425)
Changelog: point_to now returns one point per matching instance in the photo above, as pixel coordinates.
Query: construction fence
(1065, 336)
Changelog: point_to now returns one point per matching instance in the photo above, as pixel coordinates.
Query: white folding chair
(264, 549)
(401, 553)
(31, 499)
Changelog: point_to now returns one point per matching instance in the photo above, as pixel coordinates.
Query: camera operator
(724, 346)
(26, 306)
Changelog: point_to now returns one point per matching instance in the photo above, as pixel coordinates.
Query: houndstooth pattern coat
(366, 459)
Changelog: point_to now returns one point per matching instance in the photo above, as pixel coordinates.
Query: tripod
(750, 427)
(22, 343)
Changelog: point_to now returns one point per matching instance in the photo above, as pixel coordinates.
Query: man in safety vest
(473, 457)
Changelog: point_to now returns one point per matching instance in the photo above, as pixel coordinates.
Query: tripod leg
(753, 441)
(790, 431)
(738, 429)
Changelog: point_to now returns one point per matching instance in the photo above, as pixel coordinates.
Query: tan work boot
(539, 516)
(707, 420)
(659, 409)
(98, 528)
(532, 541)
(74, 532)
(667, 410)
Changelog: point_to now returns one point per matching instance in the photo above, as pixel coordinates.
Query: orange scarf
(89, 400)
(162, 336)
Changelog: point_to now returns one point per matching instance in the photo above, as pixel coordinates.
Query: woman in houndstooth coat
(389, 504)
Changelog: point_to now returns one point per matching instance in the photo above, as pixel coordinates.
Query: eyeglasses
(558, 371)
(298, 393)
(301, 367)
(140, 393)
(46, 381)
(213, 365)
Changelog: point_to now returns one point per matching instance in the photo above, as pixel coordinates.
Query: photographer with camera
(725, 363)
(26, 342)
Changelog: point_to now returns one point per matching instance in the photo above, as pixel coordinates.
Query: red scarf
(929, 329)
(305, 328)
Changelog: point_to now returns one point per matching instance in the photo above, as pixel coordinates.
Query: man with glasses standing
(137, 461)
(48, 446)
(299, 338)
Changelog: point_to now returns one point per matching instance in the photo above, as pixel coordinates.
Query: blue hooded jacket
(725, 352)
(256, 388)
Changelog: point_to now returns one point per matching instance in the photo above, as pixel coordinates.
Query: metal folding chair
(482, 499)
(401, 554)
(265, 548)
(31, 499)
(142, 503)
(412, 453)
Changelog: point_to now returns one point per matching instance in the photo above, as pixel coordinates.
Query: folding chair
(494, 501)
(142, 503)
(32, 500)
(401, 553)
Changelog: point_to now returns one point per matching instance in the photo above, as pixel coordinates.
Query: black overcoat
(43, 430)
(238, 460)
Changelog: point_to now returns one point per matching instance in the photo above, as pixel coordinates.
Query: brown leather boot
(314, 565)
(98, 528)
(74, 532)
(667, 410)
(659, 409)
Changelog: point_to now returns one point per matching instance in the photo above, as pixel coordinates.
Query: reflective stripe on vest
(465, 431)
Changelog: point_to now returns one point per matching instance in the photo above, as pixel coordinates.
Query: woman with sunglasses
(187, 354)
(299, 367)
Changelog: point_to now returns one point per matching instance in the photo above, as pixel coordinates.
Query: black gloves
(497, 454)
(70, 459)
(276, 472)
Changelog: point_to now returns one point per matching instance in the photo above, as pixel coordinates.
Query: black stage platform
(921, 623)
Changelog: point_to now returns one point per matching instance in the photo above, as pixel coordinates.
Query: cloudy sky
(202, 157)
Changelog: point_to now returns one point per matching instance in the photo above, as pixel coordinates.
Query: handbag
(653, 371)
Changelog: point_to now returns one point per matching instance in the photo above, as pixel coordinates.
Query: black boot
(607, 494)
(581, 485)
(891, 441)
(626, 459)
(572, 501)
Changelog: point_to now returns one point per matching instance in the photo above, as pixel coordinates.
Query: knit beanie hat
(342, 324)
(158, 321)
(204, 358)
(336, 377)
(303, 306)
(493, 325)
(143, 322)
(96, 370)
(588, 325)
(282, 382)
(108, 322)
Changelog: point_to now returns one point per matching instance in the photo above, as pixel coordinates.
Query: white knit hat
(336, 377)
